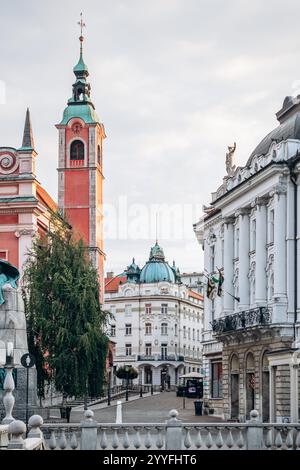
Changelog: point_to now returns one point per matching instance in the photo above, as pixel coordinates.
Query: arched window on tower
(99, 155)
(77, 150)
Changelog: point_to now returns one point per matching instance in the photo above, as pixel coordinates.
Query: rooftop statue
(9, 274)
(230, 167)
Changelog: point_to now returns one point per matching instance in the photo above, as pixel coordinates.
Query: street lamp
(127, 380)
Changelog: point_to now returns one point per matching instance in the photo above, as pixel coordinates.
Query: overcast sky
(174, 82)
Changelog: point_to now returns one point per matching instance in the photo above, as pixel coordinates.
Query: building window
(184, 350)
(198, 353)
(128, 349)
(148, 349)
(189, 333)
(175, 330)
(164, 328)
(4, 255)
(164, 351)
(113, 330)
(148, 309)
(236, 242)
(184, 332)
(128, 329)
(127, 309)
(113, 309)
(164, 309)
(77, 150)
(212, 258)
(176, 349)
(193, 334)
(99, 155)
(148, 329)
(194, 351)
(271, 226)
(198, 335)
(216, 380)
(253, 235)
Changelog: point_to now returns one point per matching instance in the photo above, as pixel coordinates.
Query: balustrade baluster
(74, 441)
(278, 439)
(126, 441)
(62, 442)
(103, 440)
(298, 439)
(240, 441)
(115, 441)
(137, 439)
(219, 440)
(148, 440)
(269, 438)
(209, 440)
(52, 440)
(159, 440)
(229, 440)
(187, 440)
(198, 440)
(290, 439)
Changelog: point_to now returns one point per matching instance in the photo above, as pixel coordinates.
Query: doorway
(148, 375)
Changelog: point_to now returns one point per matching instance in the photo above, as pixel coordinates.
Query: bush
(129, 374)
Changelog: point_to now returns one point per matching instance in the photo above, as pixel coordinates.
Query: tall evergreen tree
(65, 321)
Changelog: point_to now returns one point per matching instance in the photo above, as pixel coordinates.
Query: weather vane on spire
(82, 25)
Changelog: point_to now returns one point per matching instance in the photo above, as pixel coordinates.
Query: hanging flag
(220, 283)
(210, 288)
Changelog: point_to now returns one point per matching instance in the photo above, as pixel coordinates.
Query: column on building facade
(290, 250)
(219, 265)
(244, 248)
(228, 265)
(272, 393)
(294, 392)
(298, 247)
(261, 252)
(280, 296)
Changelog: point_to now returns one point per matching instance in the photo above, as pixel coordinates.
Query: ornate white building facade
(251, 232)
(157, 321)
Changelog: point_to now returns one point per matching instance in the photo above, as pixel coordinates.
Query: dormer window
(77, 150)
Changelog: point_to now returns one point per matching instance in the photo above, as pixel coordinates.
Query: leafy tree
(65, 321)
(127, 373)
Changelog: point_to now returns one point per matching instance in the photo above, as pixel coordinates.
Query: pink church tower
(80, 176)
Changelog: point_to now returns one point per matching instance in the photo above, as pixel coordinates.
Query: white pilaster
(290, 251)
(244, 292)
(280, 294)
(228, 266)
(261, 252)
(294, 387)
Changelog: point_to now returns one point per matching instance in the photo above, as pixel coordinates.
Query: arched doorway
(234, 387)
(265, 388)
(250, 384)
(148, 375)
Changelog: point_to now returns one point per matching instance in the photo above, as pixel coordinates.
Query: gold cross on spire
(82, 25)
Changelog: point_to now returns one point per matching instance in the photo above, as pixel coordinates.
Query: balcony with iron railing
(159, 357)
(255, 317)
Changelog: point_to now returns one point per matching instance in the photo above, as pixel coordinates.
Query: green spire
(80, 70)
(28, 142)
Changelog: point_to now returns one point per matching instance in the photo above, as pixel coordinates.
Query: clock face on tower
(8, 163)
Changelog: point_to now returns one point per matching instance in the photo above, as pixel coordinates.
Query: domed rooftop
(157, 269)
(289, 128)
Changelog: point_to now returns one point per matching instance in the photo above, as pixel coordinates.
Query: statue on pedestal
(9, 274)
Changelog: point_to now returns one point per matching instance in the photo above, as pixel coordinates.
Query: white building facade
(251, 233)
(194, 281)
(158, 322)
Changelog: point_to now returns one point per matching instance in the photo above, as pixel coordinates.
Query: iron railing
(254, 317)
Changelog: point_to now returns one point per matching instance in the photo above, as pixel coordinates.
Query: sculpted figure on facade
(9, 274)
(230, 167)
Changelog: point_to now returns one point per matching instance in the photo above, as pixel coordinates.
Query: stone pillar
(228, 266)
(261, 252)
(290, 251)
(280, 295)
(294, 388)
(244, 293)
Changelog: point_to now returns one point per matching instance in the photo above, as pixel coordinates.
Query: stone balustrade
(171, 435)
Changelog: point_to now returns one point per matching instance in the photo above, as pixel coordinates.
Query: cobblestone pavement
(152, 409)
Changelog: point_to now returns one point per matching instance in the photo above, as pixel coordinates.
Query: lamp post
(127, 380)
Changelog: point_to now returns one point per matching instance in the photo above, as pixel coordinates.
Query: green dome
(85, 111)
(157, 269)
